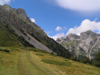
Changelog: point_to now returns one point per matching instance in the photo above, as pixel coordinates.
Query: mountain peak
(88, 32)
(73, 36)
(85, 35)
(22, 13)
(7, 7)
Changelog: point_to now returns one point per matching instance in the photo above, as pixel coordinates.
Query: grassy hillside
(9, 39)
(31, 61)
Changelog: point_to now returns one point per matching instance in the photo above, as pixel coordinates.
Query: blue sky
(61, 17)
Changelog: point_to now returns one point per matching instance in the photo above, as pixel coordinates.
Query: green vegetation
(32, 61)
(65, 66)
(97, 59)
(8, 61)
(85, 60)
(56, 62)
(74, 58)
(9, 39)
(39, 54)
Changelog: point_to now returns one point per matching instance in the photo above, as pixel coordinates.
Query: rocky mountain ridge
(87, 44)
(19, 22)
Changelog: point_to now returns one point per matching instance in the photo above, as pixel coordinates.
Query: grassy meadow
(31, 61)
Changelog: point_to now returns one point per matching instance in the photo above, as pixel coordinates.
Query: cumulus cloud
(58, 28)
(32, 20)
(4, 2)
(59, 35)
(85, 25)
(79, 5)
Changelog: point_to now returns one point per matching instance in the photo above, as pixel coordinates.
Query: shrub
(6, 50)
(74, 58)
(97, 60)
(39, 54)
(85, 60)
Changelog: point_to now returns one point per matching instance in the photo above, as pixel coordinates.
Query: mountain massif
(85, 45)
(20, 31)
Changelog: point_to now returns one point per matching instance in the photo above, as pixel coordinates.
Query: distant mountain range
(87, 44)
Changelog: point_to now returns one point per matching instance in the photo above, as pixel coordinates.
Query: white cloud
(4, 2)
(65, 28)
(85, 25)
(32, 20)
(58, 28)
(59, 35)
(79, 5)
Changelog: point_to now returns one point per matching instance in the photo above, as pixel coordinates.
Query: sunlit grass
(74, 68)
(40, 63)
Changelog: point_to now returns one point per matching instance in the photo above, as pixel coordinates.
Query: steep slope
(9, 39)
(29, 31)
(87, 44)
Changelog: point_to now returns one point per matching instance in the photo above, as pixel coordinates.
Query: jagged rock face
(14, 19)
(21, 12)
(88, 34)
(73, 36)
(87, 44)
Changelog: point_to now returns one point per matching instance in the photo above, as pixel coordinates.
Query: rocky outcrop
(21, 12)
(87, 44)
(73, 36)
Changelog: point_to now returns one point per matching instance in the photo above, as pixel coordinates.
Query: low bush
(39, 54)
(85, 60)
(5, 50)
(97, 60)
(61, 63)
(74, 58)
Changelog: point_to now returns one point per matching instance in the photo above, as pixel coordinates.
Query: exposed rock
(7, 7)
(87, 44)
(73, 36)
(21, 12)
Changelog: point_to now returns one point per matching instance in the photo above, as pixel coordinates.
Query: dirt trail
(21, 66)
(27, 66)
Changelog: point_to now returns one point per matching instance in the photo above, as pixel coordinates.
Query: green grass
(65, 66)
(32, 61)
(61, 63)
(8, 39)
(39, 54)
(8, 62)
